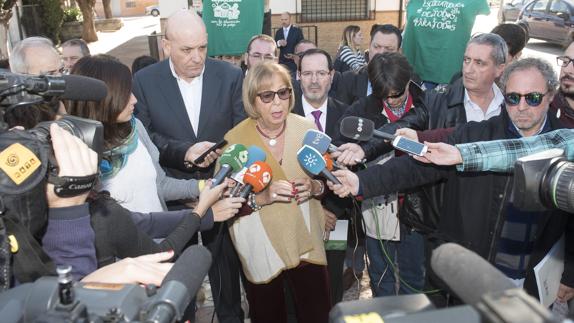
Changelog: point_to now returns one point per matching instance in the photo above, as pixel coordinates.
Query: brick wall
(329, 33)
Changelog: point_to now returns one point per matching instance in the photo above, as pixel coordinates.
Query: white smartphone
(409, 146)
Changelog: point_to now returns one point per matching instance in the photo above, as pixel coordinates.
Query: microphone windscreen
(254, 154)
(311, 160)
(83, 88)
(235, 156)
(467, 274)
(357, 128)
(190, 268)
(258, 175)
(318, 140)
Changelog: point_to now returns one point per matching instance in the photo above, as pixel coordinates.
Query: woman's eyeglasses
(533, 99)
(268, 96)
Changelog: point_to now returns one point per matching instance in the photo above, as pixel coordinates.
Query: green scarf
(116, 158)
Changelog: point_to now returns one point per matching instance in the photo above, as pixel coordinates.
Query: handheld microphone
(254, 153)
(256, 179)
(364, 129)
(232, 160)
(330, 164)
(467, 274)
(67, 87)
(179, 285)
(312, 161)
(319, 140)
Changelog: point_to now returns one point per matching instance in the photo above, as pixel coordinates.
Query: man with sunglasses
(563, 103)
(476, 211)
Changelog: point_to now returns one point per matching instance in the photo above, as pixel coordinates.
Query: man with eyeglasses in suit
(563, 103)
(260, 48)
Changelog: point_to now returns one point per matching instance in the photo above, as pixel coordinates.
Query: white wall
(278, 6)
(167, 7)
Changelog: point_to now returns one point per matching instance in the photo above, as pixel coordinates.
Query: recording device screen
(409, 146)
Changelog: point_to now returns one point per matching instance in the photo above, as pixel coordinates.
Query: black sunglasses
(533, 99)
(268, 96)
(396, 96)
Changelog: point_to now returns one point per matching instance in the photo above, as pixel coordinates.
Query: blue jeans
(408, 258)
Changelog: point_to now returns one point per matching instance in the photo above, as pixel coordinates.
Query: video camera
(544, 181)
(488, 294)
(60, 299)
(27, 162)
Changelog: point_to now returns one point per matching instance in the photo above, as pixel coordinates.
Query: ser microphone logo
(359, 128)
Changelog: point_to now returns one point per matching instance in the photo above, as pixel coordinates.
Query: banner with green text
(231, 24)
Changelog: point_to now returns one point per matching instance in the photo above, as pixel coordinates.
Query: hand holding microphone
(364, 129)
(232, 160)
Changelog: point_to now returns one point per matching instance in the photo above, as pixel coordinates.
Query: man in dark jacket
(477, 212)
(563, 104)
(474, 97)
(287, 37)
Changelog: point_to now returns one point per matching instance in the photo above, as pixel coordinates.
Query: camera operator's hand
(349, 183)
(146, 269)
(349, 154)
(199, 148)
(74, 159)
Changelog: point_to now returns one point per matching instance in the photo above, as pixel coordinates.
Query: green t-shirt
(436, 35)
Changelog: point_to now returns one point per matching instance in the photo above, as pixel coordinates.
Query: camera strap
(68, 186)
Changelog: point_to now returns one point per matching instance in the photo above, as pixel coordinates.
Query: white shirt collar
(475, 113)
(178, 78)
(308, 108)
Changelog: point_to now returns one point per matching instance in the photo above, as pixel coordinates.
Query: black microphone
(362, 129)
(180, 284)
(467, 274)
(67, 87)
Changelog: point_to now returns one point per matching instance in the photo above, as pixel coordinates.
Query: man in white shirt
(287, 37)
(187, 103)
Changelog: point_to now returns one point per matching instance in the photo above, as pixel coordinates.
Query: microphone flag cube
(311, 160)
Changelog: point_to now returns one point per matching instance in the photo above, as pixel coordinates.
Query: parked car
(152, 10)
(510, 10)
(550, 20)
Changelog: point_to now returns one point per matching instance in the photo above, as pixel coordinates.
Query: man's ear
(166, 46)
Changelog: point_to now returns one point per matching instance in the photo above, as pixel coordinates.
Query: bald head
(186, 43)
(285, 19)
(183, 21)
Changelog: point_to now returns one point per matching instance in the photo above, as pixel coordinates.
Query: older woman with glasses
(280, 240)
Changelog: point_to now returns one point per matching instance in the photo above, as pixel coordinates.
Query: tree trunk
(107, 8)
(5, 15)
(4, 41)
(87, 8)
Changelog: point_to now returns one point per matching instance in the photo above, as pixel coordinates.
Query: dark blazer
(352, 86)
(161, 109)
(295, 36)
(335, 110)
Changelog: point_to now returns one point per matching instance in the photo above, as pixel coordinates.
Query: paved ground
(131, 41)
